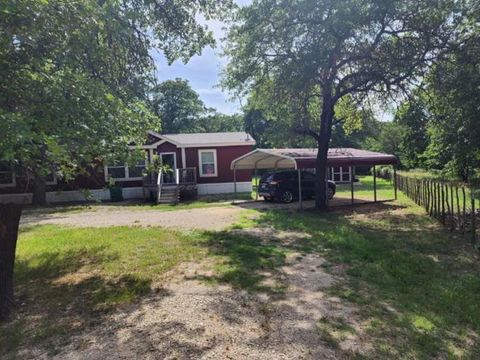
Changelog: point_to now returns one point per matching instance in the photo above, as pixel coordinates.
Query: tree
(178, 106)
(218, 122)
(388, 139)
(453, 98)
(412, 118)
(318, 52)
(73, 82)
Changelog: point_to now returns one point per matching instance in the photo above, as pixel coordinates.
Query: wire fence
(453, 205)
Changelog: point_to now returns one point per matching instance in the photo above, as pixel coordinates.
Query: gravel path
(213, 218)
(188, 319)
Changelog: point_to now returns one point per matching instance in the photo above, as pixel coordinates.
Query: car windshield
(267, 177)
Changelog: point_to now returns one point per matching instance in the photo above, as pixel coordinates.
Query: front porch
(166, 187)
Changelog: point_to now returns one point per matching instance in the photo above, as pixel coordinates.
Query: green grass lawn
(363, 190)
(417, 286)
(67, 279)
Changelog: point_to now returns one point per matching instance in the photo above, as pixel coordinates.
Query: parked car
(283, 186)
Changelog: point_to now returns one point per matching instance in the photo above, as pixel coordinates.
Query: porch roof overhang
(306, 158)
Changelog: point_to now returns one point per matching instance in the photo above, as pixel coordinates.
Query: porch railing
(186, 176)
(183, 176)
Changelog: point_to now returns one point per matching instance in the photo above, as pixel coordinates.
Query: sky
(203, 71)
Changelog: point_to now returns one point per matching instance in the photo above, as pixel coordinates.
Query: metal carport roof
(306, 158)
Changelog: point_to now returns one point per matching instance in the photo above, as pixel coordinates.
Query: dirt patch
(186, 318)
(215, 218)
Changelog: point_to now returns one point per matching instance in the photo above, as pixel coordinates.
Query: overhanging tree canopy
(316, 53)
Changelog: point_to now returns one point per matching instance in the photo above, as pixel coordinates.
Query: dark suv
(283, 186)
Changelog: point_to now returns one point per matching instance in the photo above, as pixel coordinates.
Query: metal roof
(305, 158)
(207, 139)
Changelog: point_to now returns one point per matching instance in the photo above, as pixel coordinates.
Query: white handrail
(159, 185)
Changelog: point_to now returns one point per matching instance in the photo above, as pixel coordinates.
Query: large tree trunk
(326, 120)
(39, 191)
(9, 220)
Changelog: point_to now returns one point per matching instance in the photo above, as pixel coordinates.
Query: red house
(199, 162)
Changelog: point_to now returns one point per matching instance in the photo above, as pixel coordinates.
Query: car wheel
(330, 193)
(286, 197)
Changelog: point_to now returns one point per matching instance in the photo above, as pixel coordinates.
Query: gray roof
(210, 139)
(333, 153)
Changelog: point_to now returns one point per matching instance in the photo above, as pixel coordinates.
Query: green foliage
(309, 59)
(178, 106)
(388, 140)
(440, 124)
(454, 130)
(74, 76)
(181, 110)
(218, 122)
(412, 118)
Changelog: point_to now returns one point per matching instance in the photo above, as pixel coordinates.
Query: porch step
(169, 195)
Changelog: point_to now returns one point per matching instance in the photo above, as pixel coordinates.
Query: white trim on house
(224, 188)
(169, 153)
(340, 174)
(184, 158)
(126, 168)
(200, 164)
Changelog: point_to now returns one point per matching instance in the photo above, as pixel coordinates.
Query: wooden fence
(451, 204)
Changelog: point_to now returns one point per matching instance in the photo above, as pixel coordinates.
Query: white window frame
(127, 175)
(13, 183)
(343, 172)
(200, 167)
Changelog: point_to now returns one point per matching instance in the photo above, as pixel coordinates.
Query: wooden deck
(155, 188)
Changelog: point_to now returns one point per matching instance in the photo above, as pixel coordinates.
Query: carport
(299, 159)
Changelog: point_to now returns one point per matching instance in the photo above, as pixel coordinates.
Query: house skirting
(73, 196)
(223, 188)
(128, 193)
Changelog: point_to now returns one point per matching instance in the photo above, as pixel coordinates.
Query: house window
(7, 177)
(340, 174)
(137, 170)
(207, 160)
(117, 171)
(124, 172)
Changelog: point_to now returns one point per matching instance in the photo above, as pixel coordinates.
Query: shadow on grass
(58, 297)
(417, 286)
(248, 261)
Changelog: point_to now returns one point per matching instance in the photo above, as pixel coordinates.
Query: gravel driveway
(213, 218)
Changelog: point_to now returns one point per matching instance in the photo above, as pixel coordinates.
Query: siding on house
(225, 156)
(95, 180)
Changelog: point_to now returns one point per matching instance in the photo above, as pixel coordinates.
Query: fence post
(464, 210)
(474, 226)
(395, 181)
(351, 184)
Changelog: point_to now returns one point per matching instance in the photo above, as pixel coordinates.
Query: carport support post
(256, 183)
(234, 184)
(395, 181)
(300, 189)
(374, 184)
(352, 168)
